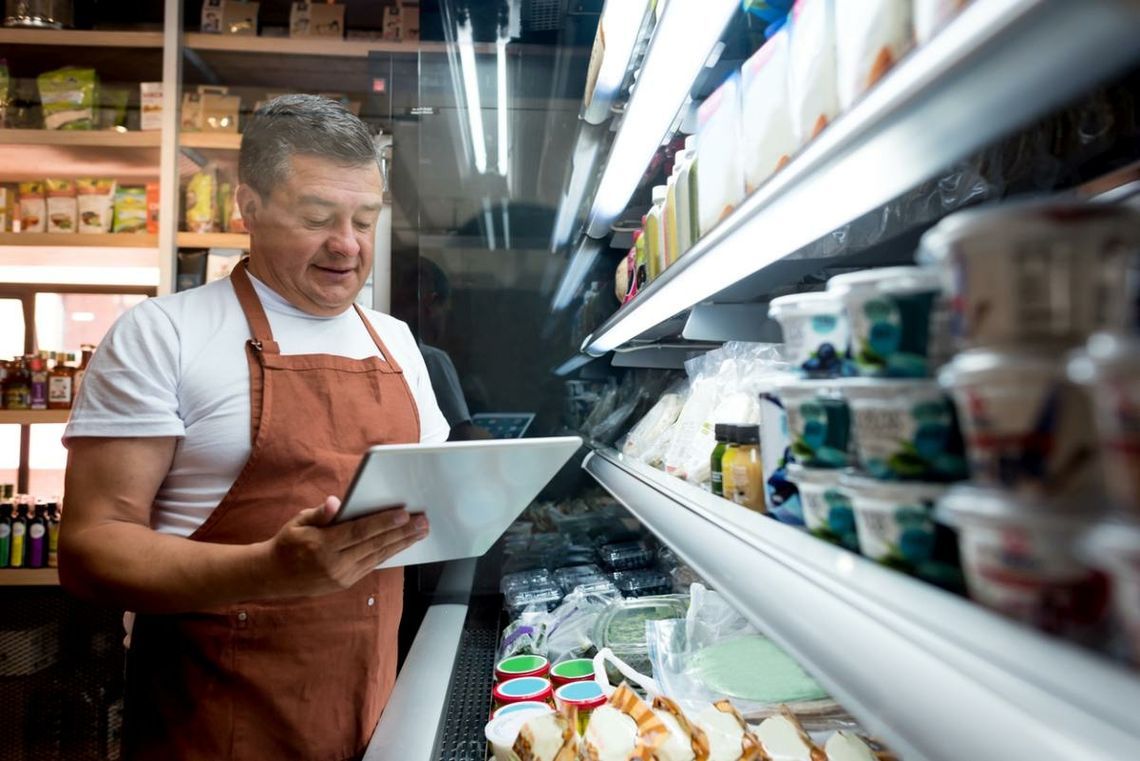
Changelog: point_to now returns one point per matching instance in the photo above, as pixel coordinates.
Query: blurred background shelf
(29, 577)
(84, 138)
(80, 38)
(216, 140)
(213, 240)
(31, 417)
(80, 240)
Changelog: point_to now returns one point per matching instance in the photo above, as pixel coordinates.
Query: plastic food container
(502, 731)
(524, 579)
(643, 583)
(1110, 367)
(780, 495)
(898, 318)
(573, 670)
(1020, 559)
(904, 430)
(572, 576)
(584, 696)
(625, 556)
(543, 597)
(621, 628)
(815, 332)
(1114, 547)
(894, 520)
(521, 665)
(521, 707)
(819, 423)
(828, 513)
(1026, 427)
(1036, 271)
(529, 688)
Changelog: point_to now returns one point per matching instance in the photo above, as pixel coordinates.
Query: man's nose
(342, 240)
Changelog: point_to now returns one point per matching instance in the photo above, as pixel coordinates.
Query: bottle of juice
(60, 383)
(18, 387)
(53, 533)
(654, 224)
(5, 533)
(726, 460)
(685, 233)
(88, 349)
(717, 481)
(37, 537)
(38, 384)
(671, 211)
(747, 475)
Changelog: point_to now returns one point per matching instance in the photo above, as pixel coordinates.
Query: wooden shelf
(96, 138)
(213, 240)
(226, 141)
(286, 46)
(31, 417)
(29, 577)
(80, 240)
(81, 38)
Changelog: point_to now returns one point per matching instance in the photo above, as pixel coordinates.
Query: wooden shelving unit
(213, 240)
(81, 38)
(81, 138)
(80, 240)
(29, 577)
(285, 46)
(225, 141)
(32, 417)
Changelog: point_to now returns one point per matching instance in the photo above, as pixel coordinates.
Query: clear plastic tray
(643, 583)
(626, 556)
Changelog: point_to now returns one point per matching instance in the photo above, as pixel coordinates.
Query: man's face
(312, 236)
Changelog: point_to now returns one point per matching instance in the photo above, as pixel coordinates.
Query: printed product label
(907, 438)
(36, 531)
(899, 336)
(828, 515)
(780, 495)
(59, 389)
(5, 531)
(820, 428)
(901, 536)
(817, 343)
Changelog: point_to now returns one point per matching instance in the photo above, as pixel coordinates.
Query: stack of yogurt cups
(1046, 382)
(876, 439)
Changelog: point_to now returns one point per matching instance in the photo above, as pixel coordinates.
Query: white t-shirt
(176, 366)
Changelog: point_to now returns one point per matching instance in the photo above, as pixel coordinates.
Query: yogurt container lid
(522, 665)
(1034, 218)
(988, 365)
(1107, 355)
(814, 476)
(898, 492)
(972, 505)
(888, 280)
(575, 669)
(811, 302)
(523, 706)
(1113, 545)
(502, 730)
(523, 688)
(581, 694)
(885, 388)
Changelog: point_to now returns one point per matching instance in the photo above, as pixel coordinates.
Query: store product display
(42, 381)
(29, 529)
(84, 205)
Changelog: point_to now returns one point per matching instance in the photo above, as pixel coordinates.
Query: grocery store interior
(842, 299)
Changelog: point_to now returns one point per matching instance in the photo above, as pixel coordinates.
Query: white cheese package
(812, 84)
(720, 174)
(870, 37)
(767, 140)
(649, 429)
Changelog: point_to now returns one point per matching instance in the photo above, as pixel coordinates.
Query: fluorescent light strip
(576, 271)
(466, 44)
(621, 21)
(501, 102)
(586, 149)
(679, 48)
(489, 223)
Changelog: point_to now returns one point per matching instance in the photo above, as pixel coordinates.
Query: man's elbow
(76, 574)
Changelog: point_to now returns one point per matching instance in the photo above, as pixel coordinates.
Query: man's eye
(316, 222)
(362, 226)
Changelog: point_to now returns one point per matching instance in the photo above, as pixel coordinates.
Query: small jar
(528, 688)
(574, 670)
(521, 665)
(582, 696)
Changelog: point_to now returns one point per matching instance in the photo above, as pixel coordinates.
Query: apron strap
(384, 353)
(251, 305)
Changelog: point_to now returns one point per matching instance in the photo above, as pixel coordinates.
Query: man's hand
(310, 556)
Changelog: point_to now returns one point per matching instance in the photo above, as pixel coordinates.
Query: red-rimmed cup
(584, 696)
(518, 666)
(534, 688)
(574, 670)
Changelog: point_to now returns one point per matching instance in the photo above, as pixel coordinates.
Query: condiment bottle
(37, 538)
(726, 462)
(717, 479)
(5, 533)
(60, 382)
(38, 384)
(53, 534)
(82, 371)
(19, 536)
(654, 223)
(17, 386)
(747, 476)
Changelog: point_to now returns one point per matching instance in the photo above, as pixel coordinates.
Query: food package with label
(812, 86)
(153, 198)
(96, 204)
(6, 200)
(316, 20)
(68, 97)
(720, 174)
(202, 201)
(130, 210)
(767, 140)
(33, 207)
(218, 110)
(870, 38)
(150, 105)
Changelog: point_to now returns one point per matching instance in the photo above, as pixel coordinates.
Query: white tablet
(471, 491)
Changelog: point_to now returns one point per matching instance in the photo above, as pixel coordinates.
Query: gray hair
(308, 125)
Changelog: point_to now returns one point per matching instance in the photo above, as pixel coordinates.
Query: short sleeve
(433, 425)
(131, 385)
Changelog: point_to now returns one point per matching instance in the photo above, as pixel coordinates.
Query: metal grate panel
(469, 703)
(543, 15)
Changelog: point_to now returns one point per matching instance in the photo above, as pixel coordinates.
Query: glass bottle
(17, 386)
(716, 475)
(82, 370)
(5, 525)
(19, 535)
(38, 384)
(60, 383)
(37, 537)
(726, 459)
(747, 478)
(53, 533)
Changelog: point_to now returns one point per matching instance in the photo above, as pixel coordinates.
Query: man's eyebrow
(311, 200)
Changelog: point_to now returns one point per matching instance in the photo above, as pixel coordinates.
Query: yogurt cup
(1020, 559)
(502, 731)
(781, 497)
(828, 513)
(1114, 547)
(1026, 427)
(1036, 271)
(521, 665)
(898, 319)
(819, 423)
(815, 332)
(527, 688)
(573, 670)
(1110, 368)
(904, 430)
(521, 706)
(894, 520)
(584, 697)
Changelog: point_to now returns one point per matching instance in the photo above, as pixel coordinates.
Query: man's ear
(249, 202)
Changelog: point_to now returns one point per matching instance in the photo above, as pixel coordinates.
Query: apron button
(371, 601)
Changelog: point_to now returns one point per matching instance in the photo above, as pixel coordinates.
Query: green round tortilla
(754, 668)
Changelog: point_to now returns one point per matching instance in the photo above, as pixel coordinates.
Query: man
(215, 430)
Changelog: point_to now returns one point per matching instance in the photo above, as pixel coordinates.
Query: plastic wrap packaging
(932, 15)
(812, 87)
(720, 175)
(68, 97)
(625, 556)
(870, 37)
(566, 631)
(768, 141)
(647, 431)
(714, 653)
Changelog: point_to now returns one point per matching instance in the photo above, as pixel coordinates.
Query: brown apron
(302, 678)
